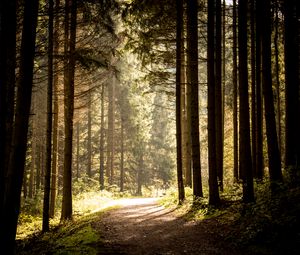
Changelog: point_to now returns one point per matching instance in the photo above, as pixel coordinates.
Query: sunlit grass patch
(85, 203)
(72, 237)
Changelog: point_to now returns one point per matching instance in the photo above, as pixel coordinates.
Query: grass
(30, 219)
(271, 225)
(73, 237)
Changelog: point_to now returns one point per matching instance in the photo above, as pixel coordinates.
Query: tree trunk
(291, 47)
(11, 205)
(211, 125)
(244, 127)
(140, 176)
(77, 150)
(253, 86)
(55, 119)
(235, 92)
(7, 85)
(102, 141)
(111, 124)
(192, 58)
(277, 74)
(89, 147)
(69, 106)
(179, 26)
(218, 93)
(122, 157)
(46, 206)
(259, 109)
(273, 150)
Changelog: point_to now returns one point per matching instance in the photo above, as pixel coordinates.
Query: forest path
(142, 226)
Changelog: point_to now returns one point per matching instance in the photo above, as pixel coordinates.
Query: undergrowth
(271, 225)
(73, 237)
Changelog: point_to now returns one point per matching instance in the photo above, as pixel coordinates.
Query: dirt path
(141, 226)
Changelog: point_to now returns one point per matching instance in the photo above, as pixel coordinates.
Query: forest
(149, 127)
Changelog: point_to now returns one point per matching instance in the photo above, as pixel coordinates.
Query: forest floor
(143, 226)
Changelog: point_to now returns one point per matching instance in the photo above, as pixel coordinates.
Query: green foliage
(76, 237)
(271, 225)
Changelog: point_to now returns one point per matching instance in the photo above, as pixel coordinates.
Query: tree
(253, 87)
(69, 72)
(14, 178)
(291, 47)
(7, 84)
(111, 130)
(179, 26)
(192, 65)
(259, 109)
(273, 149)
(49, 119)
(55, 118)
(102, 140)
(211, 103)
(218, 92)
(235, 92)
(244, 127)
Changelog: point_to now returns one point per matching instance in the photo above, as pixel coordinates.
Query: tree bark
(259, 109)
(11, 204)
(122, 157)
(55, 117)
(71, 18)
(253, 86)
(102, 141)
(179, 26)
(89, 145)
(192, 57)
(244, 127)
(47, 182)
(235, 95)
(218, 93)
(7, 85)
(272, 141)
(291, 47)
(211, 97)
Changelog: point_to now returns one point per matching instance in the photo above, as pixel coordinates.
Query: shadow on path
(147, 228)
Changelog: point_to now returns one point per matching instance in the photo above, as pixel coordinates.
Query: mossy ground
(70, 238)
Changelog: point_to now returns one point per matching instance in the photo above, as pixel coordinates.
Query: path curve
(142, 226)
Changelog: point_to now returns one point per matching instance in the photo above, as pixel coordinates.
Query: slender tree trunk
(140, 176)
(235, 95)
(291, 47)
(47, 182)
(212, 163)
(102, 141)
(122, 157)
(11, 205)
(192, 45)
(218, 92)
(277, 74)
(55, 115)
(253, 86)
(179, 26)
(223, 87)
(69, 106)
(89, 147)
(32, 168)
(273, 150)
(110, 139)
(244, 127)
(188, 167)
(186, 158)
(77, 150)
(259, 109)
